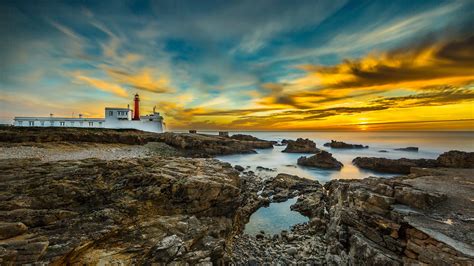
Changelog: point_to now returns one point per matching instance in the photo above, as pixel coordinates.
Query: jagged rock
(398, 166)
(244, 137)
(300, 146)
(239, 168)
(197, 145)
(261, 168)
(322, 159)
(136, 211)
(415, 149)
(418, 198)
(342, 145)
(8, 230)
(456, 159)
(204, 145)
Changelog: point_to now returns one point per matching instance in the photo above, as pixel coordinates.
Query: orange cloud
(102, 85)
(146, 79)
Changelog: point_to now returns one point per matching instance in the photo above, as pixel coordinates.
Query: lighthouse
(136, 111)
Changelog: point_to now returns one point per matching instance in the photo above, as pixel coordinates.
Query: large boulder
(396, 166)
(456, 159)
(301, 146)
(322, 159)
(342, 145)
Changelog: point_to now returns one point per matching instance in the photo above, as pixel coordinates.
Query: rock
(196, 145)
(201, 145)
(456, 159)
(415, 149)
(383, 151)
(397, 166)
(301, 146)
(292, 251)
(342, 145)
(322, 159)
(8, 230)
(239, 168)
(418, 198)
(261, 168)
(153, 210)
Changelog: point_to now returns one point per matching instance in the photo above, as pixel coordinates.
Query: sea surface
(278, 216)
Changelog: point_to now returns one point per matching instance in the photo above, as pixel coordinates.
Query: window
(20, 123)
(91, 124)
(100, 123)
(81, 123)
(51, 123)
(32, 123)
(62, 123)
(42, 123)
(72, 123)
(111, 113)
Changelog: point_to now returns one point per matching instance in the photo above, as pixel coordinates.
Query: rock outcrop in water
(300, 146)
(322, 159)
(342, 145)
(414, 149)
(451, 159)
(395, 166)
(136, 211)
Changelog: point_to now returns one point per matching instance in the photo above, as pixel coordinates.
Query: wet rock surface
(342, 145)
(300, 146)
(322, 159)
(138, 211)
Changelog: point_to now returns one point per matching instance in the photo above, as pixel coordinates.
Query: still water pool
(274, 218)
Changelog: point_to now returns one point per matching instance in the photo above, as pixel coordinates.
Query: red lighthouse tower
(136, 112)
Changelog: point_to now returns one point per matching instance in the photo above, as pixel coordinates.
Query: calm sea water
(278, 216)
(431, 144)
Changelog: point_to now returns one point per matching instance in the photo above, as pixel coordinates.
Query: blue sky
(195, 58)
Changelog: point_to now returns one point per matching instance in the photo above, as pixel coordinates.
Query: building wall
(150, 126)
(38, 122)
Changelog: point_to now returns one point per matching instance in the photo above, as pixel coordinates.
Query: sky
(243, 65)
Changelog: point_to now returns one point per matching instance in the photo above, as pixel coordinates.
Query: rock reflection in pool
(274, 218)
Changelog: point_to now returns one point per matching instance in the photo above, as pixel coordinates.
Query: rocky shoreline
(143, 200)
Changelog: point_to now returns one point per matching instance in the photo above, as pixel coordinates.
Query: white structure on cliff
(114, 118)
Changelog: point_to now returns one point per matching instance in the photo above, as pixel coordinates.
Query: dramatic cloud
(266, 65)
(449, 62)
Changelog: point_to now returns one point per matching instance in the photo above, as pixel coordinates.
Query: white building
(114, 118)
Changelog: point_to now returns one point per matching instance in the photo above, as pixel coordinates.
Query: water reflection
(274, 218)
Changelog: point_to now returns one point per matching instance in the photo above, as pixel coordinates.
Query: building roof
(117, 108)
(58, 118)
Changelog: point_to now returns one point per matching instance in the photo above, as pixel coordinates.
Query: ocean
(278, 216)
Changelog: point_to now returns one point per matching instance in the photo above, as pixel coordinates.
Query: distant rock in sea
(322, 159)
(342, 145)
(300, 146)
(414, 149)
(395, 166)
(383, 151)
(451, 159)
